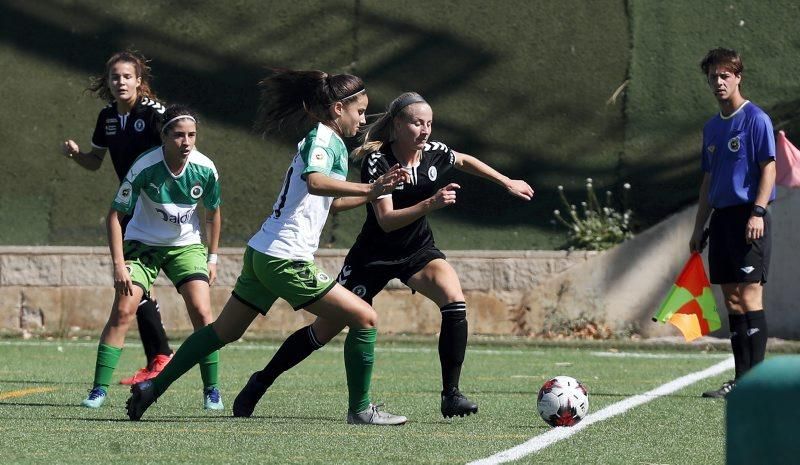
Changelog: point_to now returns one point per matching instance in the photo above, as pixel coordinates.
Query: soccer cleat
(150, 371)
(723, 391)
(372, 415)
(251, 393)
(212, 400)
(142, 396)
(456, 404)
(96, 398)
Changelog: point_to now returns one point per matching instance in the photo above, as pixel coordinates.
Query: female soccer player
(279, 259)
(162, 190)
(128, 127)
(396, 242)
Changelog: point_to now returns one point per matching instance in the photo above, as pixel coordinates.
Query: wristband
(212, 258)
(759, 211)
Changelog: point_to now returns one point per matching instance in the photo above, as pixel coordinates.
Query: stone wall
(66, 289)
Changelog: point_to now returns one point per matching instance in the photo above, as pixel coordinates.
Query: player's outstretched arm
(390, 219)
(383, 185)
(516, 187)
(91, 160)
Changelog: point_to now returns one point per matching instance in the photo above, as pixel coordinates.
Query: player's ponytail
(292, 100)
(381, 131)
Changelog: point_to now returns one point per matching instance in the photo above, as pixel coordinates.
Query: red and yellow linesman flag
(690, 304)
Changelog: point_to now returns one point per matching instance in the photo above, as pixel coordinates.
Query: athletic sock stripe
(454, 307)
(313, 338)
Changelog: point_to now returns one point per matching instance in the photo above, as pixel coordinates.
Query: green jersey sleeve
(212, 199)
(128, 193)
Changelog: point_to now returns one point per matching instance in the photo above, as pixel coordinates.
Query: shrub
(596, 226)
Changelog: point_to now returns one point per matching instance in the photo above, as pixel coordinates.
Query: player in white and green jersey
(278, 261)
(162, 191)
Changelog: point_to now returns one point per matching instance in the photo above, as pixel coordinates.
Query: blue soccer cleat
(97, 396)
(212, 400)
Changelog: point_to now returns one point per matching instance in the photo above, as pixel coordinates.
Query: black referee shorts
(731, 259)
(366, 277)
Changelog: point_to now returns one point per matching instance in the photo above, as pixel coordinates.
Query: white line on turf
(656, 355)
(247, 346)
(537, 443)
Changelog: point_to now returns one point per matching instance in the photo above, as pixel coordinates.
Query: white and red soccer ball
(563, 401)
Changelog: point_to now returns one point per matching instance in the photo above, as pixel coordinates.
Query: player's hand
(696, 242)
(445, 196)
(122, 280)
(69, 148)
(212, 273)
(519, 188)
(386, 183)
(754, 229)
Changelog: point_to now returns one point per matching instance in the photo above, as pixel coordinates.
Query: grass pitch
(302, 417)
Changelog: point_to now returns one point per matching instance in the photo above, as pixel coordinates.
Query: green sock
(209, 370)
(359, 357)
(200, 344)
(107, 359)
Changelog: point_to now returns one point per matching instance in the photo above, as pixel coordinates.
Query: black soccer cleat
(722, 392)
(456, 404)
(248, 398)
(142, 396)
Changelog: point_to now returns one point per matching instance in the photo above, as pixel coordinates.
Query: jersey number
(277, 212)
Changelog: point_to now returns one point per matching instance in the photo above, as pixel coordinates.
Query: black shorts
(366, 277)
(731, 259)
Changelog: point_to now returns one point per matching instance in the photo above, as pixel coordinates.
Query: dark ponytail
(292, 100)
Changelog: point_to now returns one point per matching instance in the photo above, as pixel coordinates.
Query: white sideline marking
(654, 355)
(537, 443)
(247, 346)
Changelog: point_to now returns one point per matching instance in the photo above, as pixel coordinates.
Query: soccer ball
(563, 401)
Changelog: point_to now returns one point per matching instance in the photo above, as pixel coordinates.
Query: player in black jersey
(127, 127)
(396, 242)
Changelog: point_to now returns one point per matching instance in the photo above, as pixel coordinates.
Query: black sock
(294, 350)
(151, 330)
(739, 343)
(757, 334)
(452, 343)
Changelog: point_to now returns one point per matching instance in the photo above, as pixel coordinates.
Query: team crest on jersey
(322, 277)
(196, 191)
(360, 290)
(734, 143)
(124, 194)
(318, 157)
(432, 173)
(138, 125)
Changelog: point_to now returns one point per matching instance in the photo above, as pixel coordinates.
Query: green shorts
(181, 264)
(265, 278)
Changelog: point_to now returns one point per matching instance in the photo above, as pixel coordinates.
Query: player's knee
(366, 318)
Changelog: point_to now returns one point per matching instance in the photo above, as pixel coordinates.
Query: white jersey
(164, 204)
(292, 231)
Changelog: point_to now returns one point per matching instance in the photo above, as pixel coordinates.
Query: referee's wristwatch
(759, 211)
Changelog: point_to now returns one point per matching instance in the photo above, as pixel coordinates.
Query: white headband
(166, 125)
(354, 94)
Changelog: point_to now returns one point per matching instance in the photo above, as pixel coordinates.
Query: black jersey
(128, 136)
(374, 242)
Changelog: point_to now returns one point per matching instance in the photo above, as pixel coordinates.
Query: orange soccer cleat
(150, 371)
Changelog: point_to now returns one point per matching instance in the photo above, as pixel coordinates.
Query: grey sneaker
(372, 415)
(142, 396)
(723, 391)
